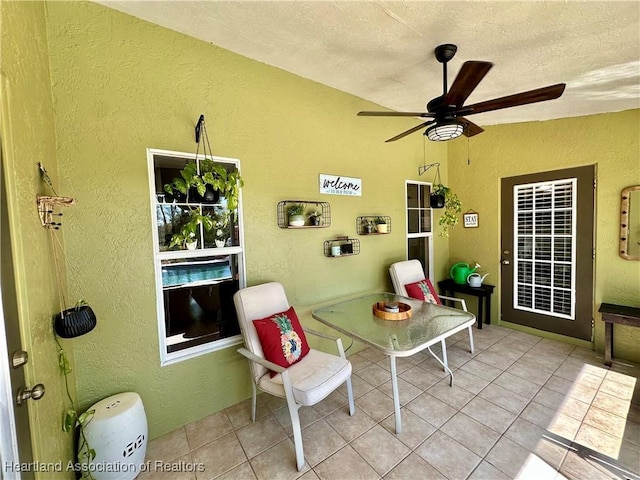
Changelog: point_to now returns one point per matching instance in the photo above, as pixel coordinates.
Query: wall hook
(199, 127)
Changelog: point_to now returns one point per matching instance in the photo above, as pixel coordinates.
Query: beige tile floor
(521, 407)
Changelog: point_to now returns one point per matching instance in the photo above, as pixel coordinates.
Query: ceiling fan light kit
(446, 112)
(443, 131)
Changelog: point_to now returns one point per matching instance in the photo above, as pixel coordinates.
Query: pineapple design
(289, 339)
(428, 296)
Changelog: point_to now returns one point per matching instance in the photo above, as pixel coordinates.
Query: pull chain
(468, 159)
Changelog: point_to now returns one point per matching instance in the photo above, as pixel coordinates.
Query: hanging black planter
(75, 321)
(210, 195)
(436, 200)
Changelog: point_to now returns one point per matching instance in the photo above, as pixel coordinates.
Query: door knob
(505, 262)
(35, 393)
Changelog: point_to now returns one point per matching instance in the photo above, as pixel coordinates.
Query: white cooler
(118, 434)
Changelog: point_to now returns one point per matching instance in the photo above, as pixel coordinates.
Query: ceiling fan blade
(470, 128)
(532, 96)
(395, 114)
(466, 81)
(411, 130)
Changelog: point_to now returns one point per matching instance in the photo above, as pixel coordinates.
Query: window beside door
(194, 287)
(419, 225)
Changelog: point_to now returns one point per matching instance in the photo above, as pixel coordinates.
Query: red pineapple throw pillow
(423, 290)
(282, 338)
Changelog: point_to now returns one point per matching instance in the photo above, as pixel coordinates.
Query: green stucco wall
(608, 141)
(28, 137)
(120, 86)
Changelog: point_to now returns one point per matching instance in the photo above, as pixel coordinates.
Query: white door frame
(8, 437)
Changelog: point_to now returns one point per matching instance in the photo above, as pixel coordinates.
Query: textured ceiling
(383, 51)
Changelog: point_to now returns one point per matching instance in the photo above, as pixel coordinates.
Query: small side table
(482, 292)
(620, 314)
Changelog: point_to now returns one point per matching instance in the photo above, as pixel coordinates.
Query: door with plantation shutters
(547, 251)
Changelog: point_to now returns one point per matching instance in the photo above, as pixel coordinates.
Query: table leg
(480, 312)
(488, 309)
(396, 395)
(608, 343)
(443, 344)
(446, 368)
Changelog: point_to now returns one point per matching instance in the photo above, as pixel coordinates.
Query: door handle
(505, 262)
(35, 393)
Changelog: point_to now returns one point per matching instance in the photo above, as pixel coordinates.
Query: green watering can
(460, 271)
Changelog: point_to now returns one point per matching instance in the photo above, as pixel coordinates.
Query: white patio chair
(304, 383)
(410, 271)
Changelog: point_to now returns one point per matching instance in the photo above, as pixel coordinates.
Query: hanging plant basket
(436, 200)
(75, 321)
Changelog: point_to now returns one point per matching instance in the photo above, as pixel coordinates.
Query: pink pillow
(282, 338)
(423, 290)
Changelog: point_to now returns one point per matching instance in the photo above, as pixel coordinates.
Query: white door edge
(8, 437)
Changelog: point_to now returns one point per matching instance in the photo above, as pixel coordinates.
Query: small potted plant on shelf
(368, 225)
(381, 225)
(451, 204)
(296, 215)
(315, 216)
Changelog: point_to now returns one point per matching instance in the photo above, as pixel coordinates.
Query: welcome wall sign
(337, 185)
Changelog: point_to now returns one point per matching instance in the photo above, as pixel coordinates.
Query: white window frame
(197, 350)
(428, 235)
(552, 262)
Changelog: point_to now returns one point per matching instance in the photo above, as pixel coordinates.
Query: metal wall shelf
(348, 246)
(309, 206)
(360, 221)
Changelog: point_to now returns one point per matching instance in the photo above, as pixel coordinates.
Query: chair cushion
(423, 290)
(282, 338)
(312, 379)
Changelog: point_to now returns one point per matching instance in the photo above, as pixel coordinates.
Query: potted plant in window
(452, 207)
(315, 216)
(381, 225)
(221, 228)
(187, 236)
(296, 215)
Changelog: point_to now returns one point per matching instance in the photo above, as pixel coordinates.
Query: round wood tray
(403, 314)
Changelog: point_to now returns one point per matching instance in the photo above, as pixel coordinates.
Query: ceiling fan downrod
(444, 53)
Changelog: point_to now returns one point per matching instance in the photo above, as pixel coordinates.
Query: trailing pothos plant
(227, 183)
(72, 418)
(452, 207)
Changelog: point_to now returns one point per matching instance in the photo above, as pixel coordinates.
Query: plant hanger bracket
(424, 168)
(46, 210)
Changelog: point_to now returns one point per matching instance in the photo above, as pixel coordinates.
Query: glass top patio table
(428, 325)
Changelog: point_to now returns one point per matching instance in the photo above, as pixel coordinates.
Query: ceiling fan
(448, 110)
